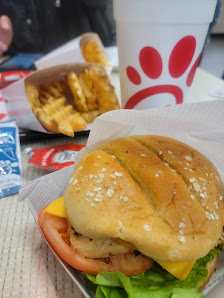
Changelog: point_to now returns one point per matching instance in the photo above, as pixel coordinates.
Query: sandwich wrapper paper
(200, 125)
(70, 52)
(16, 100)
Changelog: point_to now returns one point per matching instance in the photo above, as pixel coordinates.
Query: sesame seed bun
(157, 194)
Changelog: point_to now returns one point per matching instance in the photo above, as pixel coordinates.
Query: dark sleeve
(8, 8)
(100, 13)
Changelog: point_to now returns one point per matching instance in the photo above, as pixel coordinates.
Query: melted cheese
(178, 269)
(57, 208)
(105, 247)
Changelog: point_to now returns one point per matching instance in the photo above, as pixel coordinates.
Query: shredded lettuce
(154, 282)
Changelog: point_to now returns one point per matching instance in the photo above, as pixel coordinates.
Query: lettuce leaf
(154, 282)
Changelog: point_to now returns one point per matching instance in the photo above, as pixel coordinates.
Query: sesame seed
(89, 194)
(160, 152)
(181, 239)
(166, 164)
(185, 168)
(110, 192)
(173, 170)
(91, 176)
(216, 205)
(188, 158)
(115, 182)
(103, 170)
(142, 155)
(99, 180)
(181, 232)
(206, 174)
(98, 156)
(216, 216)
(196, 187)
(180, 163)
(147, 228)
(209, 216)
(192, 179)
(117, 174)
(220, 197)
(97, 199)
(93, 205)
(202, 179)
(125, 199)
(101, 175)
(187, 163)
(203, 204)
(156, 175)
(192, 197)
(190, 170)
(181, 225)
(75, 182)
(70, 181)
(113, 176)
(113, 156)
(80, 169)
(170, 152)
(97, 188)
(202, 195)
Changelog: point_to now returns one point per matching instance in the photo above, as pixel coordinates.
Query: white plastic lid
(165, 11)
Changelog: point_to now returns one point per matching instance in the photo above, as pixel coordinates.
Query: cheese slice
(57, 208)
(178, 269)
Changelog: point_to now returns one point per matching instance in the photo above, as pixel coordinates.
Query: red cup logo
(152, 66)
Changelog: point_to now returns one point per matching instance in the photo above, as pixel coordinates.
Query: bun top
(159, 194)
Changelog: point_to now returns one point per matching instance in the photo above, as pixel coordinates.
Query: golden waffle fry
(88, 89)
(90, 116)
(32, 94)
(77, 92)
(74, 122)
(106, 97)
(56, 117)
(93, 54)
(46, 114)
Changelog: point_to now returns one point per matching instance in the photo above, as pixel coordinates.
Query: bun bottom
(211, 268)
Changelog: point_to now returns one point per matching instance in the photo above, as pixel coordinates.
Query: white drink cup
(159, 47)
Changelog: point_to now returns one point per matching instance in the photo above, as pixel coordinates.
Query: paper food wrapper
(200, 125)
(16, 100)
(70, 52)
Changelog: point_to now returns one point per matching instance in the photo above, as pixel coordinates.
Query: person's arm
(6, 33)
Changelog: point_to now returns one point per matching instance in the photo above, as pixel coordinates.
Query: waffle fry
(77, 92)
(74, 122)
(32, 94)
(90, 116)
(56, 117)
(93, 54)
(86, 83)
(106, 97)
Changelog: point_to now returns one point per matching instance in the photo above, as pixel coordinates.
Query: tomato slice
(55, 230)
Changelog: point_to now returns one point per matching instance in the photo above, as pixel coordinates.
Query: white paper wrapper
(16, 100)
(200, 125)
(70, 52)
